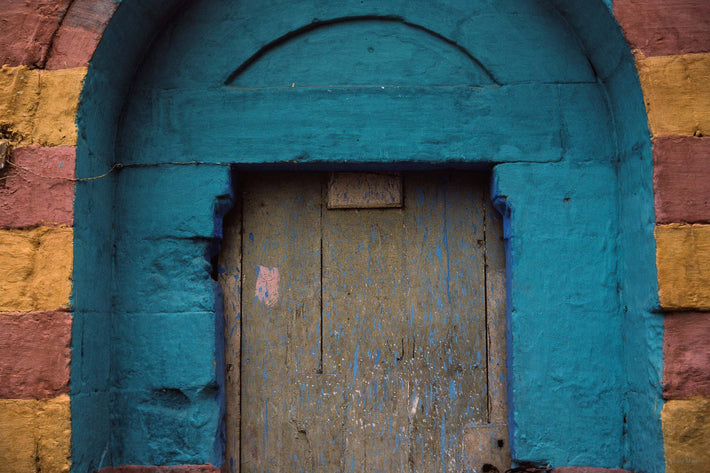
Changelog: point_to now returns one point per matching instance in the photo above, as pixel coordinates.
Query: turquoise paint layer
(567, 118)
(565, 344)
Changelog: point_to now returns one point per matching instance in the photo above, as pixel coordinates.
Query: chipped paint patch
(267, 285)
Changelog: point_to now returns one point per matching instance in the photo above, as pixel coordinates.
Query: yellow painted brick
(36, 435)
(55, 122)
(683, 259)
(686, 435)
(39, 107)
(37, 266)
(19, 98)
(676, 93)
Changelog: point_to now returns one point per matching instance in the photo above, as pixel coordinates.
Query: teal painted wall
(544, 94)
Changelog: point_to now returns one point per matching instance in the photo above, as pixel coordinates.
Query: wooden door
(357, 338)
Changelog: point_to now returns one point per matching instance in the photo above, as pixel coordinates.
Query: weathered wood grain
(401, 296)
(676, 93)
(446, 293)
(365, 330)
(683, 260)
(280, 318)
(230, 279)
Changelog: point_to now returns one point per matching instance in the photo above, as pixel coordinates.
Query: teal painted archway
(542, 94)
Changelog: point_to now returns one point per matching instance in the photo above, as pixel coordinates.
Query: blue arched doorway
(543, 96)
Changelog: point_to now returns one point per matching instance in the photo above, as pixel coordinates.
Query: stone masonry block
(35, 436)
(156, 202)
(686, 354)
(165, 426)
(681, 174)
(676, 93)
(38, 190)
(80, 32)
(686, 435)
(164, 275)
(683, 260)
(156, 351)
(19, 99)
(39, 107)
(26, 30)
(34, 354)
(37, 265)
(665, 27)
(55, 122)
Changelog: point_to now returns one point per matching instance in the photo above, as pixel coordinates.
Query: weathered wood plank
(364, 331)
(280, 318)
(230, 279)
(487, 443)
(448, 377)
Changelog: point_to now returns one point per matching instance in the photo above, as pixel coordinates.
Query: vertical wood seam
(240, 203)
(485, 312)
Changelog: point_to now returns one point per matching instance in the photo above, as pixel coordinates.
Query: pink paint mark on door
(267, 285)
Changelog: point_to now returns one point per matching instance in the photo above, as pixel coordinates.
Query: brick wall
(671, 42)
(45, 47)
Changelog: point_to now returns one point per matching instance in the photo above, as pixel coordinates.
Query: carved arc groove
(317, 24)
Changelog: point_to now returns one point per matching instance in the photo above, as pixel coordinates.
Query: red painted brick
(665, 27)
(681, 178)
(161, 469)
(686, 355)
(27, 28)
(80, 32)
(35, 354)
(26, 199)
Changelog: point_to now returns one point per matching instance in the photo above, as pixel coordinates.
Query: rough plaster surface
(683, 259)
(665, 27)
(676, 93)
(38, 190)
(76, 40)
(681, 174)
(39, 107)
(686, 434)
(35, 435)
(686, 350)
(34, 354)
(37, 265)
(27, 28)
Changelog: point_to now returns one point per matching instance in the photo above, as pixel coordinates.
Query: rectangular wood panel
(446, 296)
(360, 334)
(280, 318)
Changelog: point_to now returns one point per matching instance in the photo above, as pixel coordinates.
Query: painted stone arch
(542, 94)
